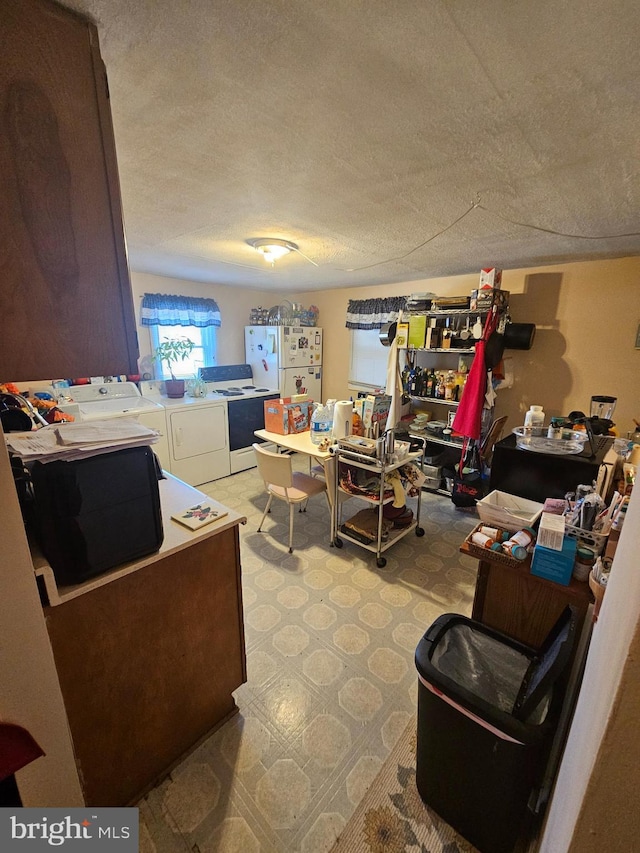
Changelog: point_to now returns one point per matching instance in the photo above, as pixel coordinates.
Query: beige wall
(586, 314)
(235, 304)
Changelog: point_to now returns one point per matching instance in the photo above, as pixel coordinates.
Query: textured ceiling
(359, 129)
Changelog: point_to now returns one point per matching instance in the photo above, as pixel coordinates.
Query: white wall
(594, 806)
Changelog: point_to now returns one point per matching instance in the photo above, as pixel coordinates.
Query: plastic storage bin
(507, 511)
(488, 709)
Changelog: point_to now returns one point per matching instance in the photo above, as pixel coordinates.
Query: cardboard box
(417, 330)
(483, 300)
(555, 565)
(490, 278)
(402, 335)
(551, 531)
(375, 410)
(286, 417)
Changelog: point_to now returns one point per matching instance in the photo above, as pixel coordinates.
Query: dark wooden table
(523, 606)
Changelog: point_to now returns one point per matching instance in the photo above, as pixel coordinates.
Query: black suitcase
(94, 514)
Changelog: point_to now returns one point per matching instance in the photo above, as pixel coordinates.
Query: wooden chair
(493, 435)
(282, 482)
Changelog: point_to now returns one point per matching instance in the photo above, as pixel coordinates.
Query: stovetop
(233, 380)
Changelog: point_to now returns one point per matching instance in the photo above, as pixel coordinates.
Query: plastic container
(518, 552)
(525, 537)
(496, 533)
(484, 541)
(584, 562)
(502, 509)
(321, 424)
(555, 428)
(534, 420)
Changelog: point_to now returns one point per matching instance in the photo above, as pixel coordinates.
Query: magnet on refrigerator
(286, 358)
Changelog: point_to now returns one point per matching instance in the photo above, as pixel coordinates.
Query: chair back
(493, 435)
(274, 468)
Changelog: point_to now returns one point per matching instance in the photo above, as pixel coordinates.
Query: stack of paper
(79, 440)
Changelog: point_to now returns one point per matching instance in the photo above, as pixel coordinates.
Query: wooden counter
(148, 655)
(523, 606)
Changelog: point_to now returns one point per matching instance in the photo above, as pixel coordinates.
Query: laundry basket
(488, 709)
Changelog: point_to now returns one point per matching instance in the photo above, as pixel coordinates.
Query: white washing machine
(120, 399)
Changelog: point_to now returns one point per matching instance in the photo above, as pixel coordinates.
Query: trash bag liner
(485, 666)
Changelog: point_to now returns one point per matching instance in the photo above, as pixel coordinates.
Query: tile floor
(330, 640)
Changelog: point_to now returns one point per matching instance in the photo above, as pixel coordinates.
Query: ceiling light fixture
(272, 248)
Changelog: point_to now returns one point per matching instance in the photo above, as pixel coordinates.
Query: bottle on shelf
(405, 380)
(419, 382)
(440, 389)
(430, 388)
(449, 385)
(412, 381)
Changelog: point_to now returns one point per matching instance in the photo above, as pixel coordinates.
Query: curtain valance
(160, 309)
(374, 313)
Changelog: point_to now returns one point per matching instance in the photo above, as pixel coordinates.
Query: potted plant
(172, 350)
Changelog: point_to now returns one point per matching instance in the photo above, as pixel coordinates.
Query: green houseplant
(171, 351)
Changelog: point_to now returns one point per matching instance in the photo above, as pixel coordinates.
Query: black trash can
(488, 709)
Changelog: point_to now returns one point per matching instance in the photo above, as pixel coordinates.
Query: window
(368, 368)
(202, 355)
(365, 318)
(174, 316)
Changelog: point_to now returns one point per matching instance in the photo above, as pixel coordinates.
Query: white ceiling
(359, 129)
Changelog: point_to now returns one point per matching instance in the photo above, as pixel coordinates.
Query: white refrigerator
(286, 358)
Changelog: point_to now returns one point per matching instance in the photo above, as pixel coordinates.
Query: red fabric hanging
(468, 417)
(17, 749)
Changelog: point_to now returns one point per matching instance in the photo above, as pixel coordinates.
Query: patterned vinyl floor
(330, 640)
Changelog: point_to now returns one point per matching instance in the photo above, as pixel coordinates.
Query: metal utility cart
(378, 468)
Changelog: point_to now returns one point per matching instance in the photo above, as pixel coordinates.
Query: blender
(603, 407)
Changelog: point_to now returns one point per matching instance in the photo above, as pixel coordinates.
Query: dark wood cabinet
(147, 665)
(65, 295)
(523, 606)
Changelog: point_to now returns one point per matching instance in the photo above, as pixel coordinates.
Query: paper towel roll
(342, 418)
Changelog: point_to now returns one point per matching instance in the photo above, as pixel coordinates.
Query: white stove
(233, 381)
